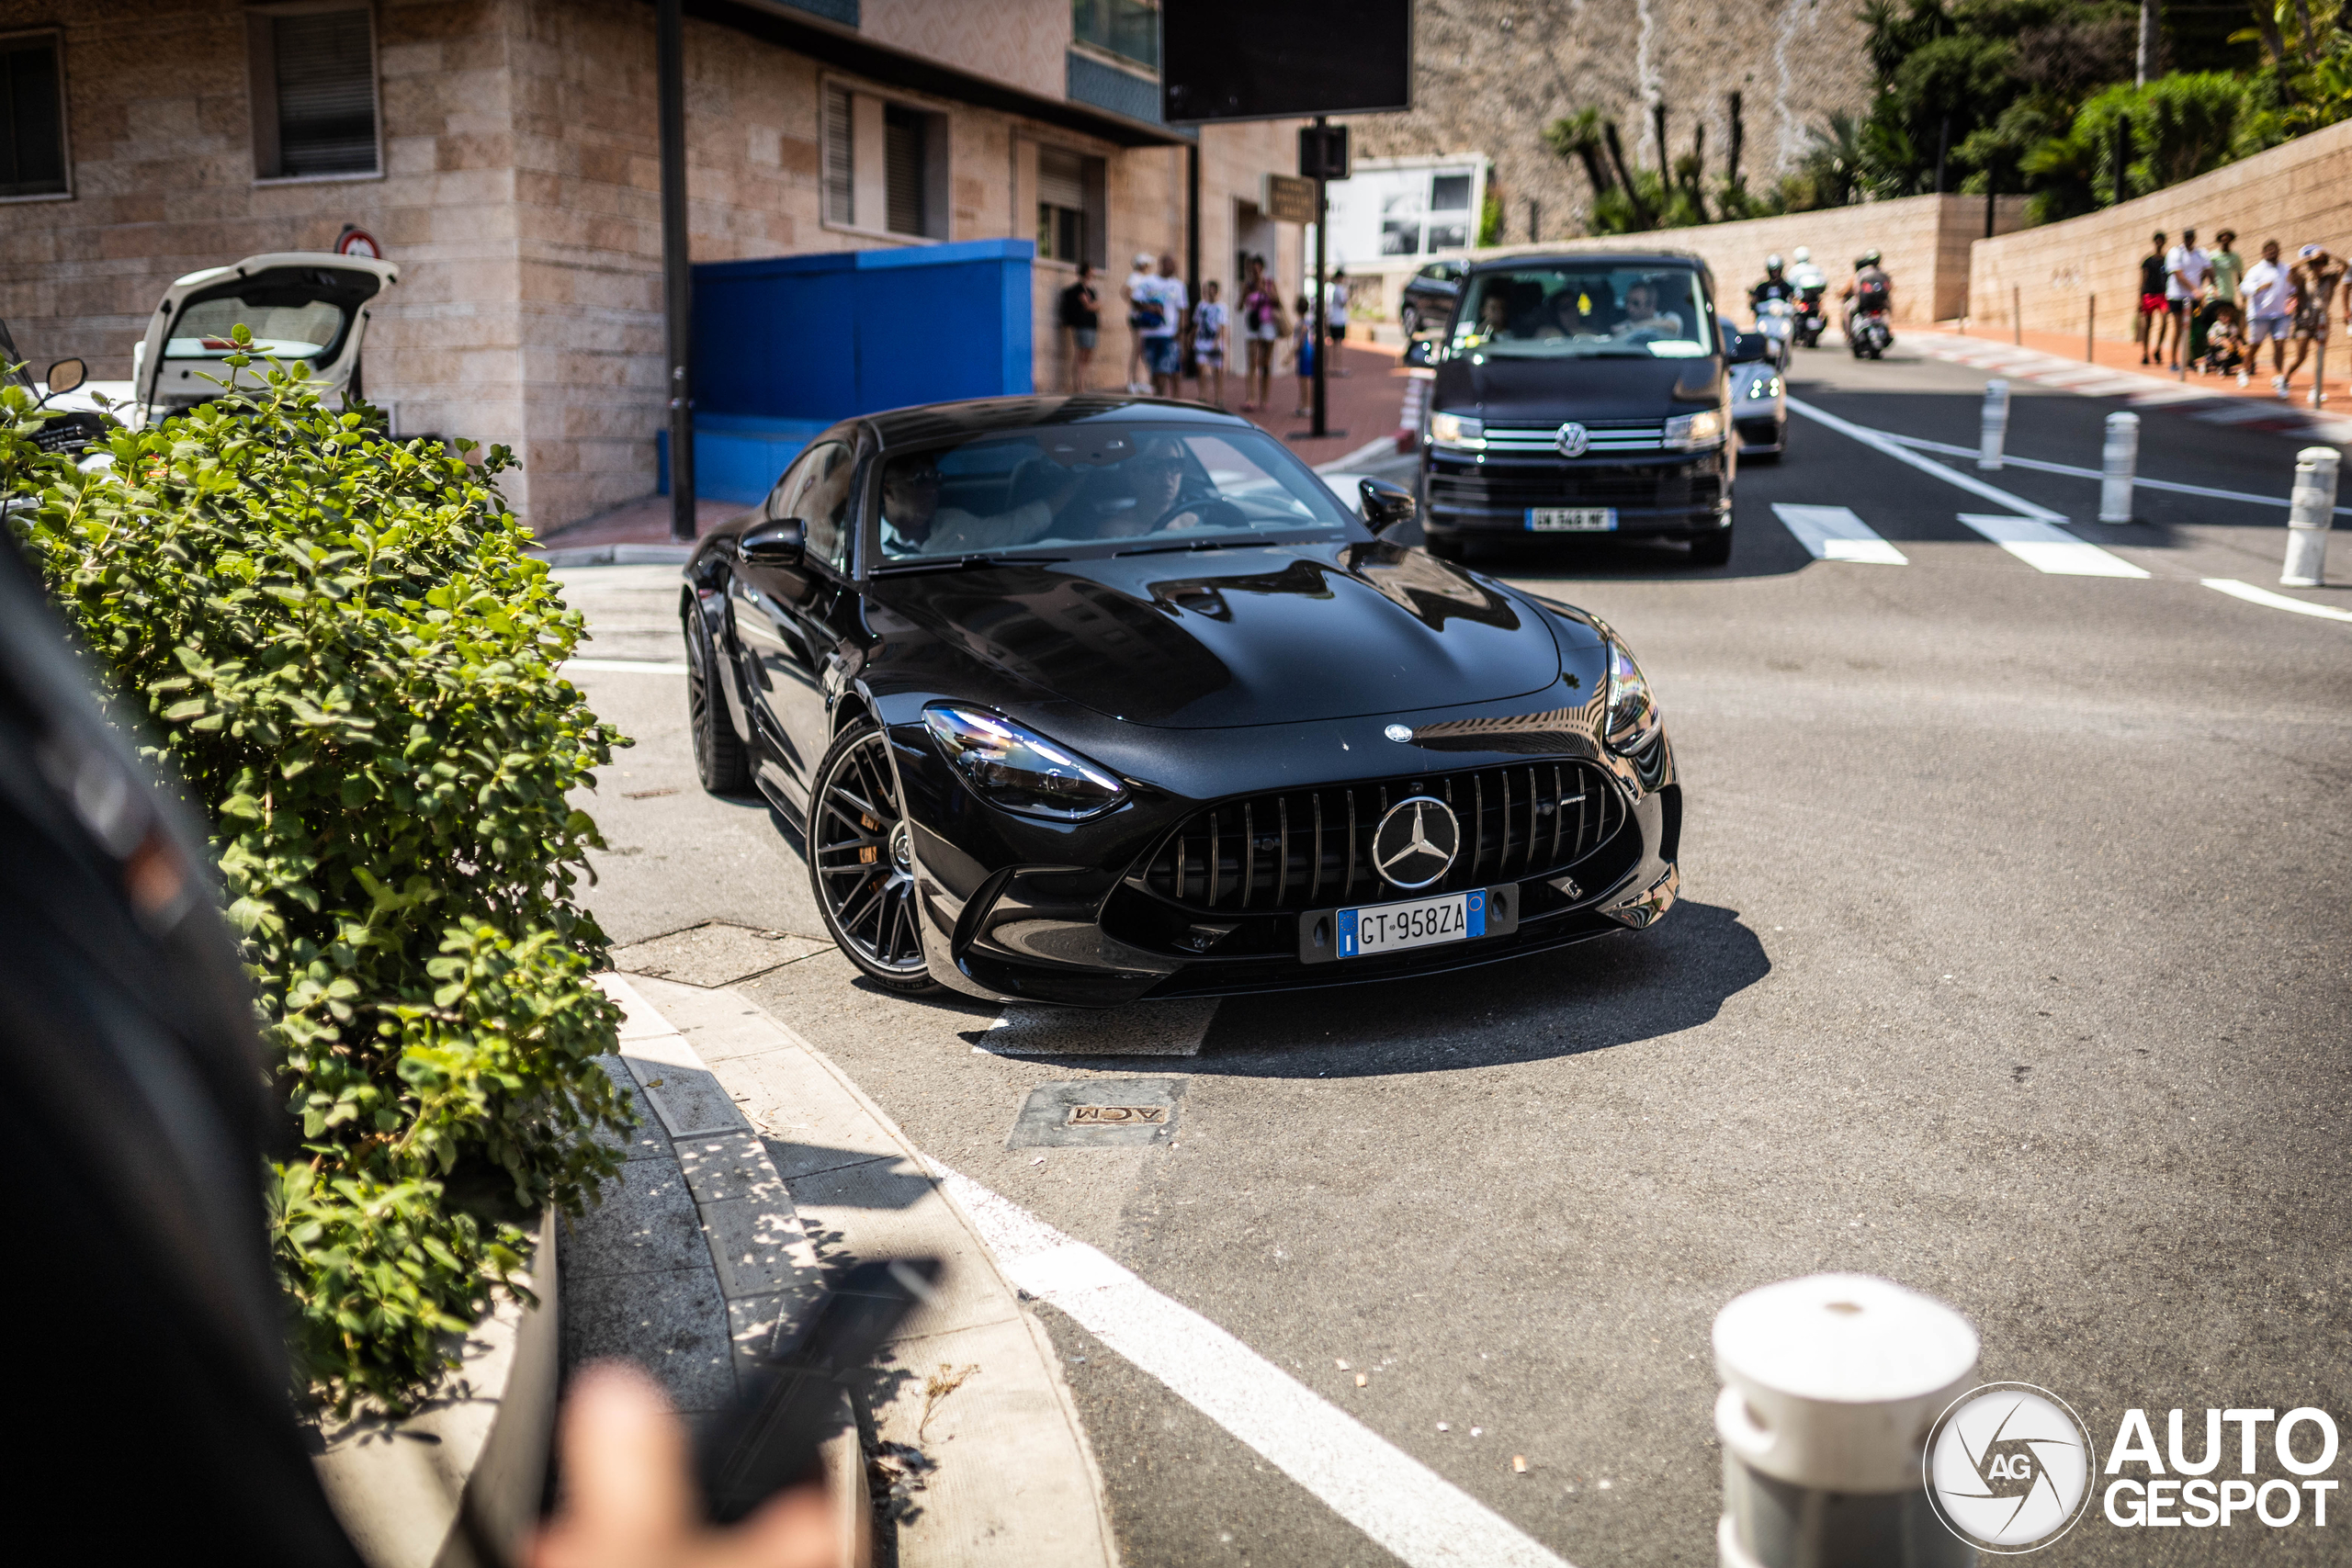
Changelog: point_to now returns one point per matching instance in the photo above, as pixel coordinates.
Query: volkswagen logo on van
(1573, 439)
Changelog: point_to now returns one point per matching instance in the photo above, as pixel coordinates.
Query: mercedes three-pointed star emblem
(1416, 841)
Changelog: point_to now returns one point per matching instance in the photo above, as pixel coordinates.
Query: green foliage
(338, 643)
(1490, 219)
(2173, 129)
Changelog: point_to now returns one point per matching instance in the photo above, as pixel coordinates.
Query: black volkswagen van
(1583, 392)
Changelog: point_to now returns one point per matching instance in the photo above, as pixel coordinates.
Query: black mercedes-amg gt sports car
(1093, 699)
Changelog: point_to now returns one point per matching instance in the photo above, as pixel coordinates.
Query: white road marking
(2263, 596)
(1879, 440)
(1834, 533)
(1410, 1509)
(1921, 443)
(2049, 549)
(630, 666)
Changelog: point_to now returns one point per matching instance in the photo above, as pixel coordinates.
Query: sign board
(1223, 60)
(357, 241)
(1289, 199)
(1323, 152)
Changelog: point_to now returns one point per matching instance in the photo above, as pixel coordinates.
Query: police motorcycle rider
(1870, 304)
(1774, 320)
(1810, 283)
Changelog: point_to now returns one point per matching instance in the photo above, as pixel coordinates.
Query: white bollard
(2311, 511)
(1996, 428)
(2119, 460)
(1830, 1386)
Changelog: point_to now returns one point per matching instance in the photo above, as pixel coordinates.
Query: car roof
(929, 423)
(1588, 258)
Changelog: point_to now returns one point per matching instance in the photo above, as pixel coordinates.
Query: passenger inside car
(1644, 316)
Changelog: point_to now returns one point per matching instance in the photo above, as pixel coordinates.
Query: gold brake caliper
(868, 854)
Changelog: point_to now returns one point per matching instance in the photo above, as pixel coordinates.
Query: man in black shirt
(1775, 286)
(1082, 316)
(2152, 298)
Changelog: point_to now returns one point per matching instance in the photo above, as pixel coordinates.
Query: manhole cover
(1098, 1113)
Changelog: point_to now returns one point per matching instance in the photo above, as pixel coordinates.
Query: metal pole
(1994, 428)
(677, 277)
(1322, 337)
(2311, 511)
(1192, 246)
(2090, 332)
(2016, 317)
(2119, 460)
(1830, 1386)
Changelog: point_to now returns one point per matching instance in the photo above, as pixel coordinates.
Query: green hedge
(336, 641)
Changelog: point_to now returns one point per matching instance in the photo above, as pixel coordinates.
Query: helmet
(1804, 255)
(1773, 263)
(1868, 258)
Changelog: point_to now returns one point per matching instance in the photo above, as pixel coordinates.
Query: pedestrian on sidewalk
(2149, 320)
(2221, 293)
(1082, 318)
(1335, 314)
(1302, 355)
(2269, 309)
(1263, 327)
(1141, 293)
(2316, 276)
(2185, 270)
(1208, 343)
(1163, 343)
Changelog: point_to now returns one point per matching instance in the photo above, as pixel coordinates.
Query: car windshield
(1112, 486)
(303, 329)
(1577, 312)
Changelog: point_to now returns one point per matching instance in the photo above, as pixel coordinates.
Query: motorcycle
(1775, 322)
(1807, 319)
(1869, 332)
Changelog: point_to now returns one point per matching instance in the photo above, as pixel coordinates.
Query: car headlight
(1633, 712)
(1764, 387)
(1693, 431)
(1453, 430)
(1019, 769)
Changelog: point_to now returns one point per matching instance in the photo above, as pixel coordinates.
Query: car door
(782, 617)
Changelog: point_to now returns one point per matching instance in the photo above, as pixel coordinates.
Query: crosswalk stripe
(2046, 548)
(1834, 533)
(2264, 597)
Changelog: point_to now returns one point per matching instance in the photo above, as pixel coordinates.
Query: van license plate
(1571, 519)
(1418, 922)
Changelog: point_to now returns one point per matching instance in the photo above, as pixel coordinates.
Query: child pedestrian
(1208, 343)
(1302, 355)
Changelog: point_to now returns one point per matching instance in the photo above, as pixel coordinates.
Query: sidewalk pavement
(2055, 359)
(758, 1170)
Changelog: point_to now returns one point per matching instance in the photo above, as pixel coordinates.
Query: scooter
(1807, 319)
(1775, 322)
(1868, 332)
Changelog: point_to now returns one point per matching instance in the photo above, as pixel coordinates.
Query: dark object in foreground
(1090, 700)
(768, 1438)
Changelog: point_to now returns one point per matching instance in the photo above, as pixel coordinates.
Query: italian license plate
(1571, 519)
(1417, 923)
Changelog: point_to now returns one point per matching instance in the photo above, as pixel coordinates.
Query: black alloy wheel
(861, 861)
(722, 762)
(1409, 319)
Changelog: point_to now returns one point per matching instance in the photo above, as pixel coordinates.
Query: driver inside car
(1152, 481)
(914, 523)
(1643, 314)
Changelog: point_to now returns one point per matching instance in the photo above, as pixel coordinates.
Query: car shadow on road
(1616, 990)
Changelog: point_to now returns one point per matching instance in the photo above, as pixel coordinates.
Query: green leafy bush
(343, 651)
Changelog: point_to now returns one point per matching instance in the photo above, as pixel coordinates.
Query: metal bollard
(2311, 511)
(1831, 1384)
(2118, 461)
(1996, 428)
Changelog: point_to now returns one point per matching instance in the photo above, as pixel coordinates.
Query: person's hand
(628, 1497)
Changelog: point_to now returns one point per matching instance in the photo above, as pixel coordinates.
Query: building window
(885, 165)
(32, 117)
(314, 92)
(1128, 29)
(1423, 209)
(1069, 207)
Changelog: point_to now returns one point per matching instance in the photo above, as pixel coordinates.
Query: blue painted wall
(784, 345)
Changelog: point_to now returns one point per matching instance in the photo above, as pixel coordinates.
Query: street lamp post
(677, 279)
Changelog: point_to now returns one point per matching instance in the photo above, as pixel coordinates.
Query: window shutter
(1059, 181)
(33, 127)
(903, 169)
(841, 164)
(326, 94)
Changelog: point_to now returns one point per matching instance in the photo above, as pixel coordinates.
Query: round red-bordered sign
(357, 241)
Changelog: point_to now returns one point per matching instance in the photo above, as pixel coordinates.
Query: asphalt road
(2011, 964)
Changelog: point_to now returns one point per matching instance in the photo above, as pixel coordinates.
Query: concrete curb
(1005, 1474)
(616, 555)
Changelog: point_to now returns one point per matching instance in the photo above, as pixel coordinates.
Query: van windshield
(1571, 312)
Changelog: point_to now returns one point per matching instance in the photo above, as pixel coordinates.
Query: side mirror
(1751, 348)
(1420, 355)
(1385, 505)
(772, 543)
(66, 375)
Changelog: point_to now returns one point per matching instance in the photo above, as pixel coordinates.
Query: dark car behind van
(1583, 393)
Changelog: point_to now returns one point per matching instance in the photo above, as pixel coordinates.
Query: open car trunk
(306, 306)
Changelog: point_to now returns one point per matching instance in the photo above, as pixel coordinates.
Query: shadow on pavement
(1616, 990)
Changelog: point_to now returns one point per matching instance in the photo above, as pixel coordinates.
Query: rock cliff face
(1490, 74)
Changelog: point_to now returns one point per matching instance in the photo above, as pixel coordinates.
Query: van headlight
(1454, 430)
(1019, 769)
(1694, 431)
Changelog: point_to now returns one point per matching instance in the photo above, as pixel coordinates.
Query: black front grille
(1643, 486)
(1310, 848)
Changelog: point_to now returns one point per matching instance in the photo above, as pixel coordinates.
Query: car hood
(1592, 390)
(1260, 635)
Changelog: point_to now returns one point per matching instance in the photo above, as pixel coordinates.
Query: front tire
(861, 862)
(722, 762)
(1409, 318)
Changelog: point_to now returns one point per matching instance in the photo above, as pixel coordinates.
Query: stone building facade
(515, 181)
(1488, 76)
